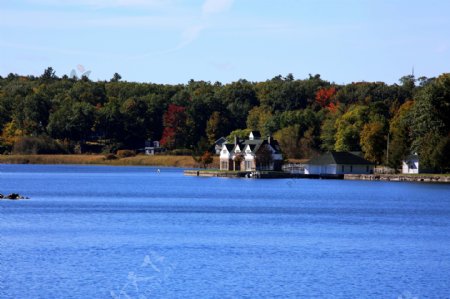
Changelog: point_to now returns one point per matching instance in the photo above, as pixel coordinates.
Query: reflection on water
(133, 232)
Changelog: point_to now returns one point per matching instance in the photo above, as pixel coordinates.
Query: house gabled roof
(275, 145)
(411, 157)
(220, 141)
(256, 134)
(255, 145)
(241, 146)
(229, 146)
(339, 158)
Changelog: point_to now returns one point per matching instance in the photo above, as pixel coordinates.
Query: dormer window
(254, 135)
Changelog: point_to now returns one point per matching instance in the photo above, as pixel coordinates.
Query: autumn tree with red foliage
(324, 96)
(332, 107)
(174, 133)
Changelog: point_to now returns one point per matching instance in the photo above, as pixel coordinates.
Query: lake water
(131, 232)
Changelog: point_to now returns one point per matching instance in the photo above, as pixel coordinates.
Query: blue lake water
(131, 232)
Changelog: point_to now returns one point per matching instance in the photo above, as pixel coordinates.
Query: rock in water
(14, 196)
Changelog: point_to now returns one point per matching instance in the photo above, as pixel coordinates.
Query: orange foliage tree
(324, 96)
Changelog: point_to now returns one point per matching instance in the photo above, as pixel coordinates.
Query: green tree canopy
(349, 126)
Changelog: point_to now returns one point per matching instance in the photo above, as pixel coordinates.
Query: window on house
(351, 168)
(342, 168)
(367, 168)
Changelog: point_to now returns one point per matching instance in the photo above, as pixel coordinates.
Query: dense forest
(50, 114)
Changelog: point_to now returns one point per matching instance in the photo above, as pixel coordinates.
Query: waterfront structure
(226, 157)
(411, 164)
(294, 168)
(251, 154)
(152, 147)
(218, 144)
(338, 163)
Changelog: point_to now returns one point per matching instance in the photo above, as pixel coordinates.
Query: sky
(174, 41)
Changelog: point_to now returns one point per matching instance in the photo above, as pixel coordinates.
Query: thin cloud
(209, 7)
(190, 24)
(190, 34)
(216, 6)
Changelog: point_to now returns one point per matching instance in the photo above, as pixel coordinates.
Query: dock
(435, 178)
(259, 174)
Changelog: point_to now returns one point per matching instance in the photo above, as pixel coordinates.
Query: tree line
(41, 114)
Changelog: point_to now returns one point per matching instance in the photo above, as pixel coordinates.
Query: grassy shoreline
(139, 160)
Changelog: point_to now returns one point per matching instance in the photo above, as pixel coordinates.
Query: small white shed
(411, 164)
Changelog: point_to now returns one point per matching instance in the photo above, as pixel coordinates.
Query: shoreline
(189, 163)
(139, 160)
(419, 178)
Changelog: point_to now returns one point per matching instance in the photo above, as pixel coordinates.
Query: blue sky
(173, 41)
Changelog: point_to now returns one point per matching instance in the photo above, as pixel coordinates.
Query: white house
(252, 154)
(152, 147)
(218, 144)
(226, 157)
(411, 164)
(338, 163)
